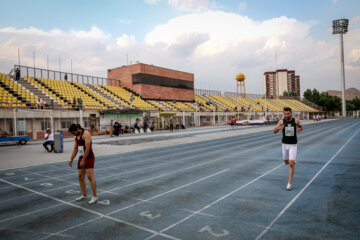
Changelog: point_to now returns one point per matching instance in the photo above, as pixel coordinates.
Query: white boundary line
(42, 164)
(31, 194)
(216, 201)
(91, 211)
(304, 188)
(172, 154)
(119, 165)
(164, 193)
(67, 229)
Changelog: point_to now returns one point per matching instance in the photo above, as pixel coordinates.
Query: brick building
(275, 83)
(152, 82)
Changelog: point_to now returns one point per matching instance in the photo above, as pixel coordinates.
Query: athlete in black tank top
(290, 127)
(289, 131)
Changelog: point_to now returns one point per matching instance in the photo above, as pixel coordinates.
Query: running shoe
(288, 187)
(93, 200)
(82, 197)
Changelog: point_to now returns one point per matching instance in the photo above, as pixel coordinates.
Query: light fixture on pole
(340, 26)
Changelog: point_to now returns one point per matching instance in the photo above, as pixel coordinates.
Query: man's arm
(74, 153)
(300, 127)
(279, 126)
(47, 136)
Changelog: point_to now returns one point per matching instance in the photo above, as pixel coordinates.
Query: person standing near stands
(290, 127)
(136, 125)
(86, 162)
(17, 74)
(111, 128)
(65, 77)
(49, 137)
(171, 122)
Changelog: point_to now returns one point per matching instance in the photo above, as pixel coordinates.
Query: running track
(230, 188)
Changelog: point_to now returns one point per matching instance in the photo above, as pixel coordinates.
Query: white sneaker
(288, 187)
(93, 200)
(82, 197)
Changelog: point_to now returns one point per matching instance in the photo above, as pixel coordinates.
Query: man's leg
(52, 146)
(90, 175)
(82, 181)
(45, 145)
(291, 170)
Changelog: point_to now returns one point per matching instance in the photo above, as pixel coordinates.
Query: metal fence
(57, 75)
(248, 95)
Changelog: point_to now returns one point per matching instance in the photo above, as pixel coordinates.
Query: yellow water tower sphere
(240, 77)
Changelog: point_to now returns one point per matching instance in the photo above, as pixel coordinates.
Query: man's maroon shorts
(89, 163)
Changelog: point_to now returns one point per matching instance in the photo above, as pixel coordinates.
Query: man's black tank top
(289, 132)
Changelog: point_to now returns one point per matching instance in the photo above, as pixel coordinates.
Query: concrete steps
(105, 95)
(37, 92)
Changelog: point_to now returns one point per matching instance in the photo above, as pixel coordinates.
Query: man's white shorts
(289, 151)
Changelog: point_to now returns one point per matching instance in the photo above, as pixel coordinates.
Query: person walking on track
(290, 127)
(86, 162)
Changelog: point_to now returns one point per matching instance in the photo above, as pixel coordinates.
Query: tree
(292, 93)
(285, 94)
(353, 105)
(308, 94)
(312, 96)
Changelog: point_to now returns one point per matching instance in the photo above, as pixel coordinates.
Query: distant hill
(350, 93)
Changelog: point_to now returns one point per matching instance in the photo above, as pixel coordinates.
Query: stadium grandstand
(137, 91)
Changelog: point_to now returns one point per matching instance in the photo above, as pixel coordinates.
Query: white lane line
(203, 149)
(194, 166)
(67, 229)
(31, 194)
(91, 211)
(304, 188)
(218, 200)
(170, 191)
(28, 213)
(180, 160)
(203, 214)
(132, 205)
(160, 151)
(261, 146)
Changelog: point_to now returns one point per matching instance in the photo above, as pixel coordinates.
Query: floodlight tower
(340, 26)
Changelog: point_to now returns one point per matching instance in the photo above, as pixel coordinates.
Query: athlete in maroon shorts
(86, 161)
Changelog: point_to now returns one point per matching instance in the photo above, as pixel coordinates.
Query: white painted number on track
(46, 184)
(27, 179)
(72, 192)
(209, 230)
(10, 174)
(105, 202)
(149, 215)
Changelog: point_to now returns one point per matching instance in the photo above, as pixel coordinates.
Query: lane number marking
(209, 230)
(149, 215)
(105, 202)
(72, 192)
(46, 184)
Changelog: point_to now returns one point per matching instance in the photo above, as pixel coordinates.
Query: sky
(213, 39)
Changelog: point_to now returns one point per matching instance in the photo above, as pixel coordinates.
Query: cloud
(214, 45)
(334, 1)
(125, 40)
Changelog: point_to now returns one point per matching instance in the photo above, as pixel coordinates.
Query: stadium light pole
(340, 26)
